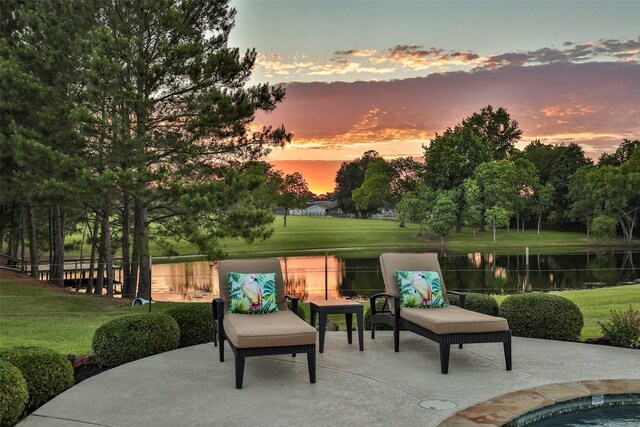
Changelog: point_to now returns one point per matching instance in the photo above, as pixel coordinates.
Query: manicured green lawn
(349, 237)
(34, 315)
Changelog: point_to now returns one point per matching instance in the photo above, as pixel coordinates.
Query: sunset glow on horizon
(388, 76)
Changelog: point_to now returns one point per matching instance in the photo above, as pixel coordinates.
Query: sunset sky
(388, 75)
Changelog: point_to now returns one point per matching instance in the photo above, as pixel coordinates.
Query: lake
(474, 272)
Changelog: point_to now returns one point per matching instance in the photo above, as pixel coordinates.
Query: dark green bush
(480, 303)
(623, 330)
(367, 318)
(195, 322)
(302, 312)
(542, 316)
(133, 337)
(47, 372)
(13, 394)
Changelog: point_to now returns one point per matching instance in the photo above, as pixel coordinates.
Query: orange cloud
(416, 58)
(560, 103)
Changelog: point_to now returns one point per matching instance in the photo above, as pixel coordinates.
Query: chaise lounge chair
(446, 325)
(282, 332)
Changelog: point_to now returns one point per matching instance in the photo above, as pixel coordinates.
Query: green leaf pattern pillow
(252, 293)
(420, 289)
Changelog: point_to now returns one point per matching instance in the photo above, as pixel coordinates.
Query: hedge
(195, 322)
(46, 372)
(480, 303)
(13, 394)
(544, 316)
(133, 337)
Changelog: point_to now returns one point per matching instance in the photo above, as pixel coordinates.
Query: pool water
(613, 416)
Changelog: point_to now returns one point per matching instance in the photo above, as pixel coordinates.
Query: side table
(346, 307)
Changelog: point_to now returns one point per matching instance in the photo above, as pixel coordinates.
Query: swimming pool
(613, 416)
(609, 410)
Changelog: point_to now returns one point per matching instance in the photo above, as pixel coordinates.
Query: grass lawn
(32, 314)
(596, 304)
(349, 237)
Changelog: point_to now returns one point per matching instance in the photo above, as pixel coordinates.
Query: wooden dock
(75, 270)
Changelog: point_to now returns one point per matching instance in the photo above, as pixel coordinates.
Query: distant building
(385, 213)
(316, 208)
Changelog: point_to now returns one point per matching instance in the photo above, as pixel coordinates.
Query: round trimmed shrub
(46, 372)
(480, 303)
(13, 394)
(133, 337)
(195, 322)
(543, 316)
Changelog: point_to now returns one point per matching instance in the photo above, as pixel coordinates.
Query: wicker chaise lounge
(447, 325)
(249, 335)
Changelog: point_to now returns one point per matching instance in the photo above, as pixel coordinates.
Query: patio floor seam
(69, 419)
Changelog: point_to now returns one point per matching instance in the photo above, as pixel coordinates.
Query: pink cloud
(595, 104)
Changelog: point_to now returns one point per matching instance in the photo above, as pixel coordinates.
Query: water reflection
(477, 272)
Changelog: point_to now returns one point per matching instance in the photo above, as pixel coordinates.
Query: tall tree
(614, 191)
(498, 183)
(416, 207)
(451, 158)
(41, 46)
(349, 177)
(292, 192)
(185, 113)
(582, 207)
(527, 188)
(543, 202)
(473, 204)
(496, 217)
(496, 129)
(375, 191)
(405, 176)
(555, 165)
(443, 215)
(622, 154)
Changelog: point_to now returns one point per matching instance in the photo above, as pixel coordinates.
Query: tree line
(125, 121)
(472, 174)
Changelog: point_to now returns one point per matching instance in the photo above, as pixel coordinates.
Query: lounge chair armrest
(294, 302)
(218, 310)
(373, 298)
(462, 295)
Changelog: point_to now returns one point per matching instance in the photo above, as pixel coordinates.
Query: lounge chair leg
(507, 354)
(239, 370)
(221, 346)
(311, 361)
(460, 346)
(373, 331)
(293, 355)
(444, 358)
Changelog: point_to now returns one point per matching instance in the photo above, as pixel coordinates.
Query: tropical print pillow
(420, 289)
(252, 293)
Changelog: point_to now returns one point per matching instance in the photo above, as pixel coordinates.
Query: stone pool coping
(509, 407)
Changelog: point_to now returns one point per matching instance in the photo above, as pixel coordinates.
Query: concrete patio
(375, 387)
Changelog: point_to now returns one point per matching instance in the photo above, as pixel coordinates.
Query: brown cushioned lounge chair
(249, 335)
(446, 326)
